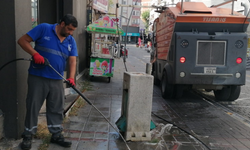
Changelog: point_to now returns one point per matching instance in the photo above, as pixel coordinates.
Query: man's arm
(24, 42)
(72, 66)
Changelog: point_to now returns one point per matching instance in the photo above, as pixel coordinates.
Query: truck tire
(167, 90)
(235, 93)
(153, 72)
(156, 80)
(223, 94)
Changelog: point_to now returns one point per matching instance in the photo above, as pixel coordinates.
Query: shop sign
(101, 67)
(115, 20)
(101, 5)
(131, 34)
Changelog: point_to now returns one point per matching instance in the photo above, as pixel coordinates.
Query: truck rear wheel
(223, 94)
(153, 72)
(235, 93)
(230, 93)
(156, 80)
(167, 90)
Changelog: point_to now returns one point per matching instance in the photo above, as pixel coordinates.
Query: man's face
(67, 29)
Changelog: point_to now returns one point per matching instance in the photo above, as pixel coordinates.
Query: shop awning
(105, 25)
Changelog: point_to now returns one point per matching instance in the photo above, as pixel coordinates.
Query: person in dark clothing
(55, 43)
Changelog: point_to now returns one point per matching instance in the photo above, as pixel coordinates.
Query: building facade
(145, 3)
(130, 25)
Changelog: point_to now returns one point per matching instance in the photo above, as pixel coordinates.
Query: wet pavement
(213, 125)
(88, 130)
(242, 104)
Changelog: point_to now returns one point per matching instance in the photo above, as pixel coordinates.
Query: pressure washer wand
(73, 87)
(46, 62)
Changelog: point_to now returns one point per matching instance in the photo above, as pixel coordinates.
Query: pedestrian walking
(139, 42)
(55, 43)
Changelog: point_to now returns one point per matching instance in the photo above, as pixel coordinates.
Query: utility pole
(121, 16)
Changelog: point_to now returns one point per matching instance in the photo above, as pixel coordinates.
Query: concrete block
(1, 124)
(137, 104)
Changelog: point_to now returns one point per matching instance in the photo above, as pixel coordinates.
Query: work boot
(26, 143)
(59, 139)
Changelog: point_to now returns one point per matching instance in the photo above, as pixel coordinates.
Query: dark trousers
(39, 89)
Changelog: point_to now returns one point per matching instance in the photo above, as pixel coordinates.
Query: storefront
(131, 37)
(132, 34)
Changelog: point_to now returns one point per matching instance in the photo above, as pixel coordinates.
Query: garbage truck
(200, 47)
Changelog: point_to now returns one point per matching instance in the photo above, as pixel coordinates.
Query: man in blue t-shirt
(55, 43)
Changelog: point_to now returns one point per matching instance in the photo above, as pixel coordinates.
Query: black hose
(245, 20)
(182, 130)
(13, 61)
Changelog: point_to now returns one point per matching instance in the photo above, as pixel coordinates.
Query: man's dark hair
(69, 19)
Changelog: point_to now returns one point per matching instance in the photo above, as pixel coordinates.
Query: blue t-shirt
(49, 46)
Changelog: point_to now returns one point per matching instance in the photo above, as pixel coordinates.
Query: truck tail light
(182, 59)
(239, 60)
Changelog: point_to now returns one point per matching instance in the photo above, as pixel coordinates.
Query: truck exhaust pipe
(181, 6)
(232, 13)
